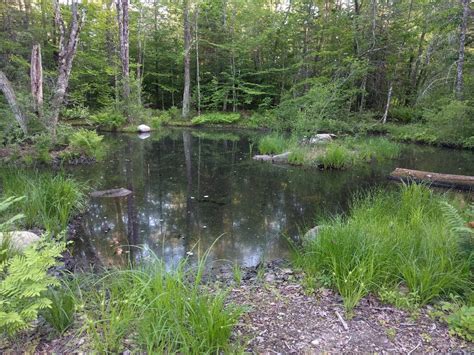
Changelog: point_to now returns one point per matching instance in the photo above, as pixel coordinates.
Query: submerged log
(111, 193)
(434, 179)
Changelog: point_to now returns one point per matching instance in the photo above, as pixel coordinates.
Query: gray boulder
(20, 240)
(312, 233)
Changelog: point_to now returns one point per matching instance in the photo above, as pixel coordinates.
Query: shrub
(24, 281)
(42, 146)
(390, 239)
(88, 143)
(75, 113)
(405, 114)
(336, 156)
(109, 120)
(264, 119)
(50, 200)
(272, 144)
(216, 118)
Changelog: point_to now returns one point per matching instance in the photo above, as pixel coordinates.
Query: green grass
(376, 148)
(273, 144)
(216, 118)
(50, 200)
(336, 156)
(391, 240)
(158, 310)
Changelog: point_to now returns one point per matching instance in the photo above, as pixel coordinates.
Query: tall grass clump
(50, 200)
(397, 240)
(272, 144)
(159, 310)
(377, 148)
(336, 156)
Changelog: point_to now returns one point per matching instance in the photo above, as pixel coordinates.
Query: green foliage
(50, 200)
(43, 144)
(461, 322)
(24, 281)
(266, 119)
(390, 239)
(272, 144)
(108, 120)
(162, 310)
(404, 114)
(78, 112)
(377, 148)
(336, 156)
(60, 314)
(216, 118)
(87, 142)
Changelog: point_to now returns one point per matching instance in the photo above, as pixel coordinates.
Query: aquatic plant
(389, 240)
(377, 148)
(272, 144)
(50, 200)
(336, 156)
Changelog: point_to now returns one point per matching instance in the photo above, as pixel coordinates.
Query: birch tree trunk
(36, 77)
(462, 41)
(122, 15)
(67, 51)
(187, 60)
(198, 78)
(7, 89)
(387, 106)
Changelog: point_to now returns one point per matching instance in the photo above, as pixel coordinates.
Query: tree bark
(7, 89)
(462, 41)
(387, 106)
(198, 78)
(435, 179)
(187, 60)
(122, 15)
(36, 77)
(67, 51)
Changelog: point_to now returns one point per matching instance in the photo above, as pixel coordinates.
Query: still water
(193, 186)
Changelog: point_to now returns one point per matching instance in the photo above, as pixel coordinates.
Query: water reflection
(191, 187)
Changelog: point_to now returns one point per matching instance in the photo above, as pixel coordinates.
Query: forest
(210, 176)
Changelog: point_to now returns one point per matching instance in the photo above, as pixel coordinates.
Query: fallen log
(279, 158)
(111, 193)
(434, 179)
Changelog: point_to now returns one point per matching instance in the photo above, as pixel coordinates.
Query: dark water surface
(192, 186)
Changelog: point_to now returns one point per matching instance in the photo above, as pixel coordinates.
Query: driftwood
(111, 193)
(442, 180)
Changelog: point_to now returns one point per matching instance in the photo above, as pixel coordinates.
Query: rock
(143, 128)
(281, 158)
(263, 157)
(111, 193)
(20, 240)
(312, 233)
(270, 277)
(321, 138)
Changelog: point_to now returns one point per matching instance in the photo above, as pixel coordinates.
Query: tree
(462, 41)
(7, 89)
(187, 60)
(123, 18)
(67, 51)
(36, 78)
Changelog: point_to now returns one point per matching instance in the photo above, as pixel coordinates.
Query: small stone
(315, 342)
(269, 277)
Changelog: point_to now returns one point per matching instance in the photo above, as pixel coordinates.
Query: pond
(194, 186)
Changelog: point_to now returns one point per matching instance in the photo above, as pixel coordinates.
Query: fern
(24, 281)
(456, 222)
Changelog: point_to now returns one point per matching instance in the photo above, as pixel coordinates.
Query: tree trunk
(122, 15)
(67, 51)
(140, 57)
(36, 77)
(187, 60)
(198, 78)
(7, 89)
(387, 106)
(434, 179)
(462, 41)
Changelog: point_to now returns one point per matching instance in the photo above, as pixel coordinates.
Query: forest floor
(282, 317)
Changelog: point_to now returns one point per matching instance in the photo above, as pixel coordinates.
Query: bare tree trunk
(187, 60)
(140, 56)
(198, 78)
(36, 77)
(387, 106)
(67, 51)
(7, 89)
(462, 41)
(122, 15)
